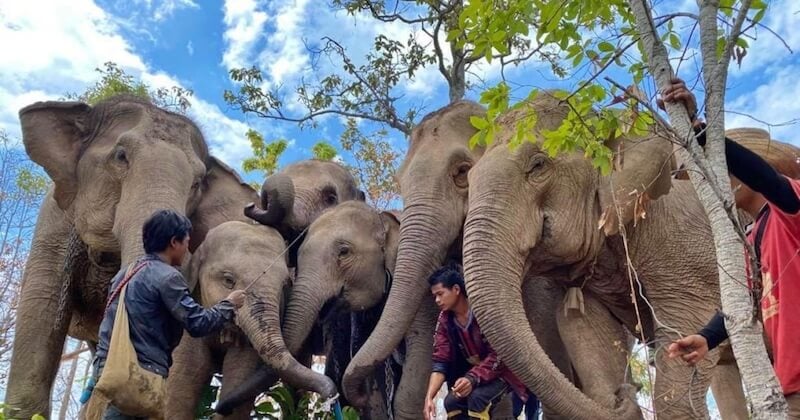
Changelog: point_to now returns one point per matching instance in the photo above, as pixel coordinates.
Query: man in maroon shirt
(463, 357)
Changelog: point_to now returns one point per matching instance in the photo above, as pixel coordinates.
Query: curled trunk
(260, 321)
(258, 382)
(277, 200)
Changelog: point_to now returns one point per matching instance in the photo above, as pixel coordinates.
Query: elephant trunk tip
(352, 386)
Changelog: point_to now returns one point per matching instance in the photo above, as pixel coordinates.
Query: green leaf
(674, 41)
(606, 46)
(478, 122)
(759, 15)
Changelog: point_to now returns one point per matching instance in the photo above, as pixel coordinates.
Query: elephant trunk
(493, 268)
(260, 321)
(136, 205)
(308, 296)
(425, 238)
(258, 382)
(277, 200)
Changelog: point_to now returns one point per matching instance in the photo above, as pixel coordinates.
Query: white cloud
(774, 102)
(244, 26)
(157, 10)
(167, 7)
(53, 49)
(767, 51)
(284, 55)
(190, 48)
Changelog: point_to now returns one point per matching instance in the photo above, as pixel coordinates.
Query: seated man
(463, 357)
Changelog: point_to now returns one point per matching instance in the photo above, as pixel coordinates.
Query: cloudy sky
(52, 47)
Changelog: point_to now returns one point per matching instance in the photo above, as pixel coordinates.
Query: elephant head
(251, 257)
(344, 264)
(294, 197)
(115, 163)
(532, 213)
(433, 182)
(345, 256)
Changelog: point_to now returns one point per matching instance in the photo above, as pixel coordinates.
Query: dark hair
(448, 276)
(161, 227)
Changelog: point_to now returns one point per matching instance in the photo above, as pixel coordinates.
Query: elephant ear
(52, 133)
(391, 224)
(641, 173)
(193, 271)
(223, 195)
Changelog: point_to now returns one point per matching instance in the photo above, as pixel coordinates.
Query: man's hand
(692, 349)
(462, 388)
(677, 92)
(236, 298)
(429, 413)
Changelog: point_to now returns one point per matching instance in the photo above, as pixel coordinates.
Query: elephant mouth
(331, 308)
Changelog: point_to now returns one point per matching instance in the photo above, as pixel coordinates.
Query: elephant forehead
(236, 236)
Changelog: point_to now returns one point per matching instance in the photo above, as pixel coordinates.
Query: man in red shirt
(463, 357)
(772, 200)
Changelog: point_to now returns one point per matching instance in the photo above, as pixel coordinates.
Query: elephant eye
(344, 250)
(228, 280)
(329, 196)
(460, 174)
(120, 155)
(536, 164)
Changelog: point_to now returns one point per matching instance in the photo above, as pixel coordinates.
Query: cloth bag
(124, 383)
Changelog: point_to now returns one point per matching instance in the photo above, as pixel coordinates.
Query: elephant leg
(726, 384)
(240, 362)
(542, 299)
(410, 396)
(597, 346)
(38, 338)
(191, 370)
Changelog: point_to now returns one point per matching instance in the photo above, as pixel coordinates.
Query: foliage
(207, 398)
(324, 151)
(115, 81)
(375, 164)
(7, 412)
(282, 404)
(265, 155)
(594, 37)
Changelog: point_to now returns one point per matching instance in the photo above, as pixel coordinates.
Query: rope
(275, 260)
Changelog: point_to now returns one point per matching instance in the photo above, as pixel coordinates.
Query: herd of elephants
(550, 248)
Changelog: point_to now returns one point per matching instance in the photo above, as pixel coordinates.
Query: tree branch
(745, 334)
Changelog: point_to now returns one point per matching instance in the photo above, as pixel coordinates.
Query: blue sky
(52, 47)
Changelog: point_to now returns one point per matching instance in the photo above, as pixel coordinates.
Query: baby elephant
(233, 255)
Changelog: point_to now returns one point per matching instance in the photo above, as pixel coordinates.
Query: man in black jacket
(158, 301)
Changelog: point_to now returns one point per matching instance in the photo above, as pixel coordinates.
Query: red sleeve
(441, 345)
(487, 370)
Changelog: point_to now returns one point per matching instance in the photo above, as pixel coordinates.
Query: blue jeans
(531, 406)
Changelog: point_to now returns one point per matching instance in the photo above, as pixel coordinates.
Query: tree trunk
(714, 193)
(66, 398)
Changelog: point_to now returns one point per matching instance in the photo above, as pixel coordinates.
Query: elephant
(534, 214)
(371, 239)
(232, 257)
(433, 181)
(294, 197)
(345, 266)
(112, 165)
